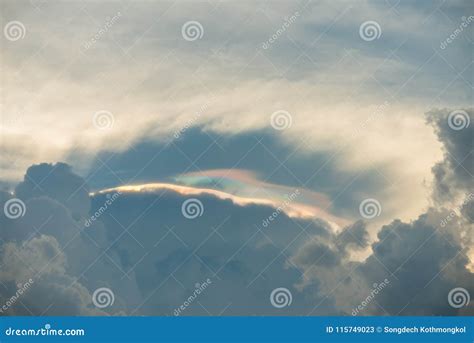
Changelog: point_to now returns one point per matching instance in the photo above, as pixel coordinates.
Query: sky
(236, 157)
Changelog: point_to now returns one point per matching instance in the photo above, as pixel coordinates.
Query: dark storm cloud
(41, 262)
(355, 236)
(163, 249)
(50, 245)
(418, 264)
(468, 208)
(56, 182)
(423, 262)
(454, 174)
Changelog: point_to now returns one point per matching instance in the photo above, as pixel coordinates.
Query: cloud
(52, 290)
(423, 262)
(56, 182)
(248, 167)
(168, 253)
(50, 245)
(353, 237)
(289, 203)
(453, 175)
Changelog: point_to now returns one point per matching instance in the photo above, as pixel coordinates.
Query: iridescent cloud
(243, 188)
